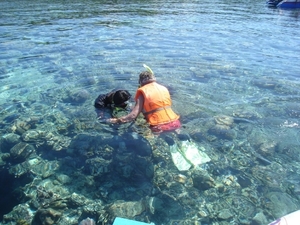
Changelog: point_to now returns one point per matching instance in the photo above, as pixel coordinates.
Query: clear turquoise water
(229, 58)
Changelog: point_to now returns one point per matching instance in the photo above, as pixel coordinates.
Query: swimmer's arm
(133, 114)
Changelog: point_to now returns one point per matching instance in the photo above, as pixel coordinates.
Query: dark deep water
(229, 61)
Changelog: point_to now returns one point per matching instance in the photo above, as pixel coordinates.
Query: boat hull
(289, 4)
(285, 4)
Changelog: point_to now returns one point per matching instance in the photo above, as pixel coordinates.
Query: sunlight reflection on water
(217, 58)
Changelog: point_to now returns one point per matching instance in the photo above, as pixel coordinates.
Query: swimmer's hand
(116, 120)
(112, 120)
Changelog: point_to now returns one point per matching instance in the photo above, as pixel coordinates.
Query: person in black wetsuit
(112, 100)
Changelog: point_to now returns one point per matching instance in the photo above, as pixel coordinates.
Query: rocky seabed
(67, 170)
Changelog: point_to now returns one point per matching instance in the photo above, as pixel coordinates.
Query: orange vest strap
(155, 110)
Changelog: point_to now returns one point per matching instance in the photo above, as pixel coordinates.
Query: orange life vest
(157, 104)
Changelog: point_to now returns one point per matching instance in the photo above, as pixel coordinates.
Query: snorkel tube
(148, 68)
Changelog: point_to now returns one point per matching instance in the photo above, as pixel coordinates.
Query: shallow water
(217, 58)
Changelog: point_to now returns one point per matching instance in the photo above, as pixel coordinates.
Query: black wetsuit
(103, 101)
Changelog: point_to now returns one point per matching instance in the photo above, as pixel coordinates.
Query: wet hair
(120, 97)
(146, 77)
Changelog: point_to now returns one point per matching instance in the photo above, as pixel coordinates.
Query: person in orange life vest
(154, 101)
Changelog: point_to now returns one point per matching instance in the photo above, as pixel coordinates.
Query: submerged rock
(225, 214)
(87, 221)
(281, 204)
(7, 141)
(19, 169)
(267, 148)
(166, 200)
(77, 200)
(19, 212)
(98, 166)
(21, 151)
(223, 132)
(57, 142)
(264, 83)
(44, 168)
(202, 180)
(76, 96)
(20, 126)
(47, 216)
(259, 219)
(126, 209)
(224, 120)
(247, 113)
(32, 135)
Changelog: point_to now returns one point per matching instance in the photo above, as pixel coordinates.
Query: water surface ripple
(232, 68)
